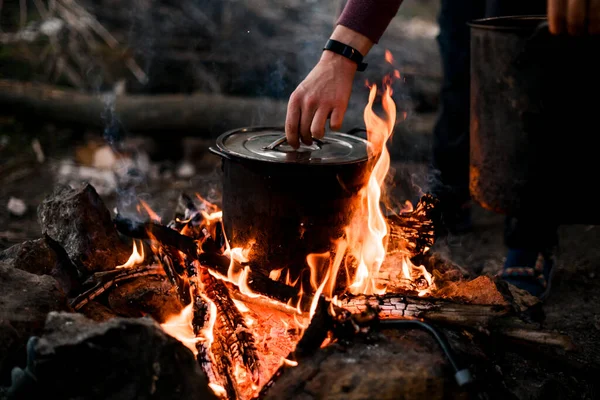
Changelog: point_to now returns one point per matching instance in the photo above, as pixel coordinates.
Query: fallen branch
(196, 112)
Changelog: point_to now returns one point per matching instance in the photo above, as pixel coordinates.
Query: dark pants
(450, 159)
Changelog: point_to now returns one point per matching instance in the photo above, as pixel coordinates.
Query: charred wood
(214, 261)
(499, 320)
(103, 280)
(230, 324)
(415, 231)
(200, 321)
(162, 234)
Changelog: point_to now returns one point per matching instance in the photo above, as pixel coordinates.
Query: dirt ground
(573, 307)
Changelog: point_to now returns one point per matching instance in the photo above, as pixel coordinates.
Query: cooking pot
(288, 202)
(535, 99)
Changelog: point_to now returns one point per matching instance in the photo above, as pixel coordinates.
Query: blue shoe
(529, 270)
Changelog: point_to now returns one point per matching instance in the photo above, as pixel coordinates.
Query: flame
(275, 274)
(368, 229)
(153, 215)
(289, 363)
(366, 237)
(389, 57)
(136, 257)
(212, 208)
(180, 327)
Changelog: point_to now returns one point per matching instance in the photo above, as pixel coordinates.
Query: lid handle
(283, 140)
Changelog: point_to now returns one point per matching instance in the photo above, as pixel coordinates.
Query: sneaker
(529, 270)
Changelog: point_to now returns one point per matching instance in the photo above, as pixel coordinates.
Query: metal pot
(534, 109)
(290, 203)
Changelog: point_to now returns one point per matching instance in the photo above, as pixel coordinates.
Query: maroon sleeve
(369, 17)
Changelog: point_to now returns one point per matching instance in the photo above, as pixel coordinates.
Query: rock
(34, 256)
(77, 358)
(146, 295)
(80, 222)
(25, 301)
(42, 257)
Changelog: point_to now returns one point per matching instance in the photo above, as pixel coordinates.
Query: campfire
(250, 325)
(242, 325)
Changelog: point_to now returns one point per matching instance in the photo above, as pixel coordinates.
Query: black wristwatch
(347, 51)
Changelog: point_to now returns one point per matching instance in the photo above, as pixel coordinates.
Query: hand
(575, 17)
(323, 94)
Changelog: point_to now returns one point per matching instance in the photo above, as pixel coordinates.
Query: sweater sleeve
(369, 17)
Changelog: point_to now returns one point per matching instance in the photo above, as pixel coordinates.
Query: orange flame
(153, 215)
(368, 229)
(136, 257)
(180, 327)
(389, 57)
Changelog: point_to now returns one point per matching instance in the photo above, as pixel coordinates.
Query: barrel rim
(503, 23)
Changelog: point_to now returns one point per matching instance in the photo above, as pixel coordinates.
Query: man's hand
(325, 92)
(575, 17)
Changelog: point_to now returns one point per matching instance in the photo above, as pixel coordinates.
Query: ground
(573, 307)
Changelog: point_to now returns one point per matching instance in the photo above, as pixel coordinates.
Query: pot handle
(218, 152)
(283, 140)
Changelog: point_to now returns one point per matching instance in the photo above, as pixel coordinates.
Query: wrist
(340, 62)
(352, 38)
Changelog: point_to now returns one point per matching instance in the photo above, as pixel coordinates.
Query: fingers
(594, 17)
(337, 117)
(576, 15)
(317, 128)
(557, 16)
(306, 119)
(292, 121)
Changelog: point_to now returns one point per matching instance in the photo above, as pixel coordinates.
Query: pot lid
(269, 144)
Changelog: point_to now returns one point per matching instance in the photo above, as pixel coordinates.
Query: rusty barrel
(535, 103)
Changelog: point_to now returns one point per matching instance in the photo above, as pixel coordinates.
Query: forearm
(369, 18)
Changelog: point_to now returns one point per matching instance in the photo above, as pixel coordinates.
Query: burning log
(501, 320)
(414, 231)
(231, 326)
(174, 267)
(200, 322)
(216, 262)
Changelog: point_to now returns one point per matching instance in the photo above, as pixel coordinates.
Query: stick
(104, 280)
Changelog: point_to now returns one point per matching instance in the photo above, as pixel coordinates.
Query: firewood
(414, 231)
(498, 320)
(104, 280)
(230, 324)
(200, 321)
(216, 262)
